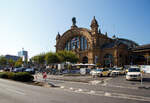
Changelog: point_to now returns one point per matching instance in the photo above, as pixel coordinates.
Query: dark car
(18, 70)
(30, 70)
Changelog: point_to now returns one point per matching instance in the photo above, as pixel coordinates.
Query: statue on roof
(74, 21)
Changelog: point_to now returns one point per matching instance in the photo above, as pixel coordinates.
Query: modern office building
(23, 54)
(13, 57)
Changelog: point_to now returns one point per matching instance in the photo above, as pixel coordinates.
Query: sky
(34, 24)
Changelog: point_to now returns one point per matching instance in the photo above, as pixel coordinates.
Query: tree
(68, 56)
(19, 62)
(39, 60)
(3, 61)
(11, 63)
(52, 58)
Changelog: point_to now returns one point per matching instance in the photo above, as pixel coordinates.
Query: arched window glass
(66, 47)
(74, 43)
(81, 40)
(69, 46)
(85, 43)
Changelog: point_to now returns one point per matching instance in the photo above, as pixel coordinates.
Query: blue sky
(34, 24)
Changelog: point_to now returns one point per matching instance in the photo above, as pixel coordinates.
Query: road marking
(108, 94)
(71, 88)
(108, 85)
(78, 90)
(15, 91)
(95, 82)
(62, 87)
(92, 92)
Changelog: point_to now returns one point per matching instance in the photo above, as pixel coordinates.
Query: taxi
(100, 72)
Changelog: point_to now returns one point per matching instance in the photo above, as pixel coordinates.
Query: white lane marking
(121, 86)
(108, 94)
(15, 91)
(62, 87)
(80, 90)
(95, 82)
(92, 92)
(71, 88)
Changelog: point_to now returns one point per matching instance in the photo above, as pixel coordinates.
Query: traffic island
(42, 84)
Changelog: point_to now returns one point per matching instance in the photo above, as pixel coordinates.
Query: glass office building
(23, 54)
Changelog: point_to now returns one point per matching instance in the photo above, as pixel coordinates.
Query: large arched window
(77, 42)
(83, 43)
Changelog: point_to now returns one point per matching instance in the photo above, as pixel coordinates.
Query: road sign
(44, 75)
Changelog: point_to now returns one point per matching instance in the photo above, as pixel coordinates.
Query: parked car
(30, 70)
(65, 71)
(100, 72)
(117, 71)
(111, 69)
(96, 72)
(18, 70)
(85, 71)
(134, 74)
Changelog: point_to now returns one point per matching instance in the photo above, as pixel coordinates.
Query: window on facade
(83, 42)
(108, 59)
(108, 56)
(74, 43)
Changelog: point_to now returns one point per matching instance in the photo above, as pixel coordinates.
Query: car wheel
(101, 75)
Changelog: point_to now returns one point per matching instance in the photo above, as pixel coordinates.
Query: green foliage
(20, 76)
(52, 58)
(39, 59)
(19, 63)
(23, 76)
(3, 61)
(68, 56)
(11, 62)
(60, 56)
(3, 75)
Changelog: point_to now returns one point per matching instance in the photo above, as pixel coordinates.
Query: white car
(117, 71)
(96, 72)
(134, 74)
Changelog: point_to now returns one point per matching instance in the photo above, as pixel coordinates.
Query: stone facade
(92, 46)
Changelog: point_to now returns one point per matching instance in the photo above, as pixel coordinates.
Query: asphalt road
(15, 92)
(118, 87)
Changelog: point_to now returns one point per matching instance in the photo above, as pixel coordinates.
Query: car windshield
(134, 70)
(111, 68)
(118, 69)
(98, 69)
